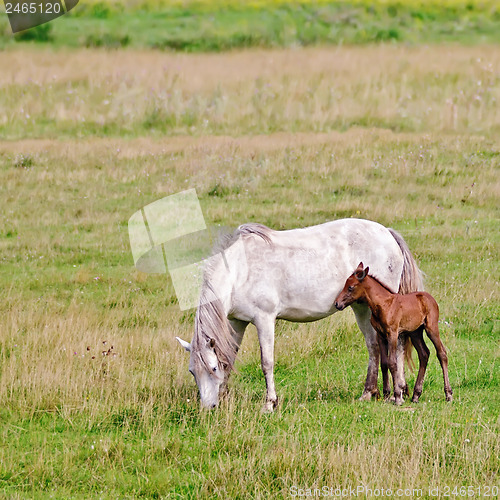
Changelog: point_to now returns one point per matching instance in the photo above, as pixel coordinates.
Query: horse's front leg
(384, 366)
(363, 315)
(239, 328)
(265, 331)
(392, 337)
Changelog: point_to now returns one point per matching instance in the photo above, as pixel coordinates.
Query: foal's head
(353, 288)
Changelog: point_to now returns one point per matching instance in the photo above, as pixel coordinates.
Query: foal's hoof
(449, 397)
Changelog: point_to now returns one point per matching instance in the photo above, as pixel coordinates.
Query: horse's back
(337, 247)
(299, 272)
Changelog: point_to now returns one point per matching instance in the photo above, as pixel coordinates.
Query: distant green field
(222, 25)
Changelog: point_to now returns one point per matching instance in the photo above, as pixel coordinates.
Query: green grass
(95, 396)
(130, 426)
(218, 26)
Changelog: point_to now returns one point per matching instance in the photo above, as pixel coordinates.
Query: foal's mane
(211, 322)
(380, 283)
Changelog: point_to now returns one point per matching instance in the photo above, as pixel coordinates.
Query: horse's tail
(411, 276)
(411, 281)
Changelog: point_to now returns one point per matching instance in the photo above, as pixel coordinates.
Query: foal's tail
(411, 281)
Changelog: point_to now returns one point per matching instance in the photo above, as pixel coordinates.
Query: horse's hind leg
(400, 360)
(384, 366)
(417, 339)
(363, 315)
(432, 329)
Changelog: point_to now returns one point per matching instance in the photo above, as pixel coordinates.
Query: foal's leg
(392, 338)
(363, 315)
(417, 338)
(265, 331)
(384, 365)
(432, 329)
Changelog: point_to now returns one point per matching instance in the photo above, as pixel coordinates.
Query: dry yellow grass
(204, 72)
(416, 89)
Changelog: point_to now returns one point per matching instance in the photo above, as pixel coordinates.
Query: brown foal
(394, 314)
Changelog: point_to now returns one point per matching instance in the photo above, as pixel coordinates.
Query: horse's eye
(214, 369)
(351, 288)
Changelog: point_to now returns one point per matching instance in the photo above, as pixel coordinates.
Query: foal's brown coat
(394, 314)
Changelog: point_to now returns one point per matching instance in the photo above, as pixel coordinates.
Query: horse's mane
(253, 228)
(211, 321)
(224, 238)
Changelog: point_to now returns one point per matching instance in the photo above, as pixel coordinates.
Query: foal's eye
(351, 288)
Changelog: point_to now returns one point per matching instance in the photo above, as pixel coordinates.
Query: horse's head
(209, 372)
(353, 288)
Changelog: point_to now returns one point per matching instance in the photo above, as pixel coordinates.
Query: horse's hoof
(398, 402)
(414, 399)
(368, 395)
(449, 398)
(269, 406)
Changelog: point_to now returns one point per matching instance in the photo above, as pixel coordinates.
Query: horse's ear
(184, 344)
(211, 343)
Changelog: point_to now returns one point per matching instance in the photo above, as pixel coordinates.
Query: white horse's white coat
(293, 275)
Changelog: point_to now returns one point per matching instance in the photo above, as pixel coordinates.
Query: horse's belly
(304, 315)
(308, 306)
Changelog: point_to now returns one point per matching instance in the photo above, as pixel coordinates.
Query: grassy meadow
(95, 396)
(219, 25)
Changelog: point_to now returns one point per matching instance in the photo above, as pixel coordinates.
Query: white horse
(295, 275)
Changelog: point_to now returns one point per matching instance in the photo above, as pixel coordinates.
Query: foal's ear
(365, 272)
(361, 273)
